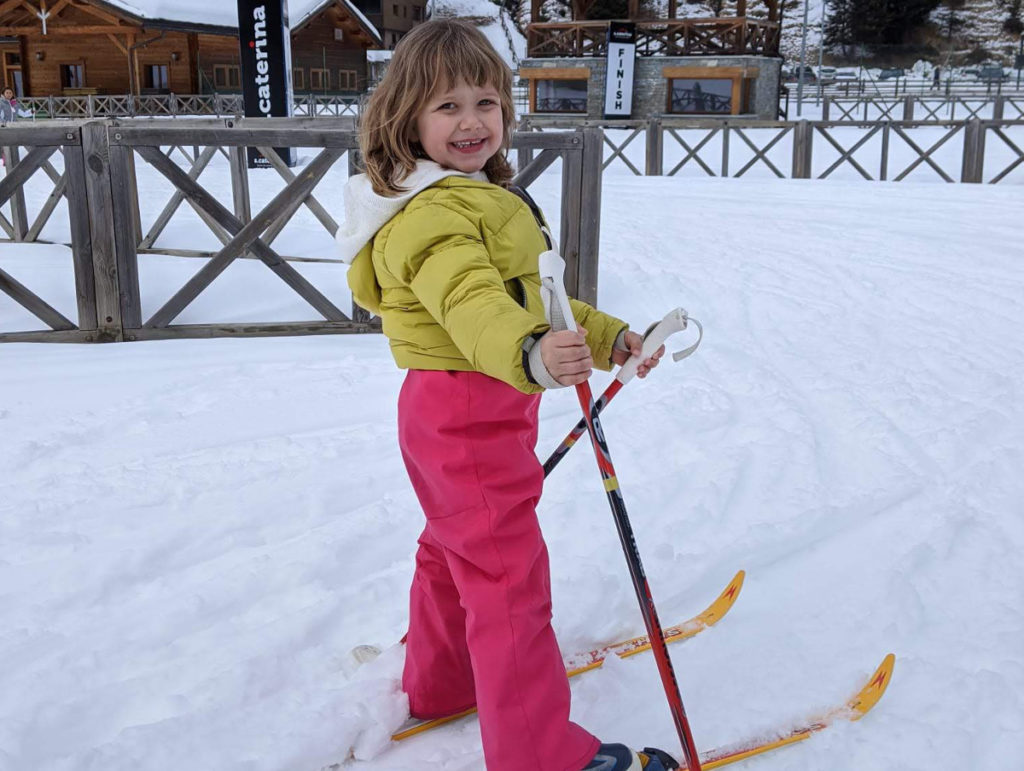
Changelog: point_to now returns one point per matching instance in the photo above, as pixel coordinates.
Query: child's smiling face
(461, 127)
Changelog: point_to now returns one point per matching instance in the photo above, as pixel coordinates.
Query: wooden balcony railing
(667, 37)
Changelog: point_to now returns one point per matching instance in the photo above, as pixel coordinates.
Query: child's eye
(487, 102)
(447, 106)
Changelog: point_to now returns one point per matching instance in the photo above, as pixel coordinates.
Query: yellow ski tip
(869, 695)
(725, 601)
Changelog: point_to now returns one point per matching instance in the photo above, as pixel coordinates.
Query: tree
(1013, 23)
(949, 18)
(875, 22)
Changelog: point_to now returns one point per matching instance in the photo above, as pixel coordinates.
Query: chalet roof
(224, 15)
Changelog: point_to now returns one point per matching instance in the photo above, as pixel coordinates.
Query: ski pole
(674, 321)
(559, 313)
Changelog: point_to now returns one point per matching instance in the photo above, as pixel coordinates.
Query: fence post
(96, 154)
(590, 214)
(803, 134)
(997, 108)
(973, 169)
(240, 183)
(826, 105)
(19, 213)
(127, 231)
(524, 157)
(908, 107)
(90, 106)
(655, 166)
(572, 208)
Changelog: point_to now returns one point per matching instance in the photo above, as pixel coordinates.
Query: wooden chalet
(739, 34)
(79, 47)
(683, 66)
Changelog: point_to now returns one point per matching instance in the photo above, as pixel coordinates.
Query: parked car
(809, 76)
(991, 74)
(892, 72)
(847, 76)
(827, 75)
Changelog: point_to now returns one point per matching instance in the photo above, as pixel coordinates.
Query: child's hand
(636, 344)
(567, 356)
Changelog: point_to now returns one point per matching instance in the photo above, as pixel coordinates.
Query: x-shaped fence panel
(847, 154)
(732, 153)
(1001, 133)
(102, 161)
(69, 185)
(925, 156)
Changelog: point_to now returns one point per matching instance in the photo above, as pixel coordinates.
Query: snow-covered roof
(225, 14)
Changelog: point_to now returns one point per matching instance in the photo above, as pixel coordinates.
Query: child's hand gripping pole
(657, 334)
(559, 312)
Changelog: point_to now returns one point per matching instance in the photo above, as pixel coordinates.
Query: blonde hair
(435, 55)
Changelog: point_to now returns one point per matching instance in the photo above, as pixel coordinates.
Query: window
(701, 96)
(12, 59)
(405, 11)
(417, 13)
(319, 80)
(394, 9)
(347, 80)
(561, 96)
(72, 75)
(156, 76)
(298, 78)
(226, 76)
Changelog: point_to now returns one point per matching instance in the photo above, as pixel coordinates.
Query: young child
(446, 255)
(8, 106)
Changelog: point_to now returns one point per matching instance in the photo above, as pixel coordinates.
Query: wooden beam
(117, 44)
(8, 6)
(555, 73)
(63, 29)
(94, 11)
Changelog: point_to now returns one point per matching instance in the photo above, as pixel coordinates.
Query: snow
(196, 533)
(224, 14)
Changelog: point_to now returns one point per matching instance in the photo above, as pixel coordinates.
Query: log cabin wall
(315, 47)
(213, 53)
(108, 64)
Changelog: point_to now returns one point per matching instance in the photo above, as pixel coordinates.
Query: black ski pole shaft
(560, 318)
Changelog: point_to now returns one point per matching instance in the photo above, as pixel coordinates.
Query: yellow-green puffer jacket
(454, 278)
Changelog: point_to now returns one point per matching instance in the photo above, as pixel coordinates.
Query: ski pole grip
(674, 321)
(552, 285)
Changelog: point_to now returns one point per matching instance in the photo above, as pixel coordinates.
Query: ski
(855, 708)
(579, 663)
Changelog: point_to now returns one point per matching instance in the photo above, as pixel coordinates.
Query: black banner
(266, 54)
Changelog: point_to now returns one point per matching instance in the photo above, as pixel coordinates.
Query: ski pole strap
(675, 321)
(552, 292)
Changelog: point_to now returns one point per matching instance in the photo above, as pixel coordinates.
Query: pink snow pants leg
(480, 611)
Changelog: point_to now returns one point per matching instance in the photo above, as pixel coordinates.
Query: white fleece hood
(366, 212)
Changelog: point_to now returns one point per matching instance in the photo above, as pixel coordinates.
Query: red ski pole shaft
(560, 317)
(639, 578)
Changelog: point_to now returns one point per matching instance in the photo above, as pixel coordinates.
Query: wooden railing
(667, 37)
(173, 105)
(971, 151)
(94, 167)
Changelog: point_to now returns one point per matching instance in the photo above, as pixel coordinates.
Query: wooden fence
(100, 185)
(922, 109)
(786, 149)
(173, 106)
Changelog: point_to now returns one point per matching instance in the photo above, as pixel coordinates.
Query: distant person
(937, 77)
(446, 254)
(8, 106)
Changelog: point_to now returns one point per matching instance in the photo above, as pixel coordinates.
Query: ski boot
(619, 757)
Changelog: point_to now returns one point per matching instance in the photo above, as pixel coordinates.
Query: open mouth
(469, 145)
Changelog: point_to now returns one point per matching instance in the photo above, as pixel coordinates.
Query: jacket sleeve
(602, 330)
(439, 253)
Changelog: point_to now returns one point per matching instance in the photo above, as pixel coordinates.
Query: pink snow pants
(480, 611)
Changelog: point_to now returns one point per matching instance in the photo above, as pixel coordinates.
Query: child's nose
(470, 120)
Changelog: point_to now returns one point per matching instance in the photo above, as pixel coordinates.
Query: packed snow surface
(195, 534)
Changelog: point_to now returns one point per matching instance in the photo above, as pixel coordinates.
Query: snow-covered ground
(194, 534)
